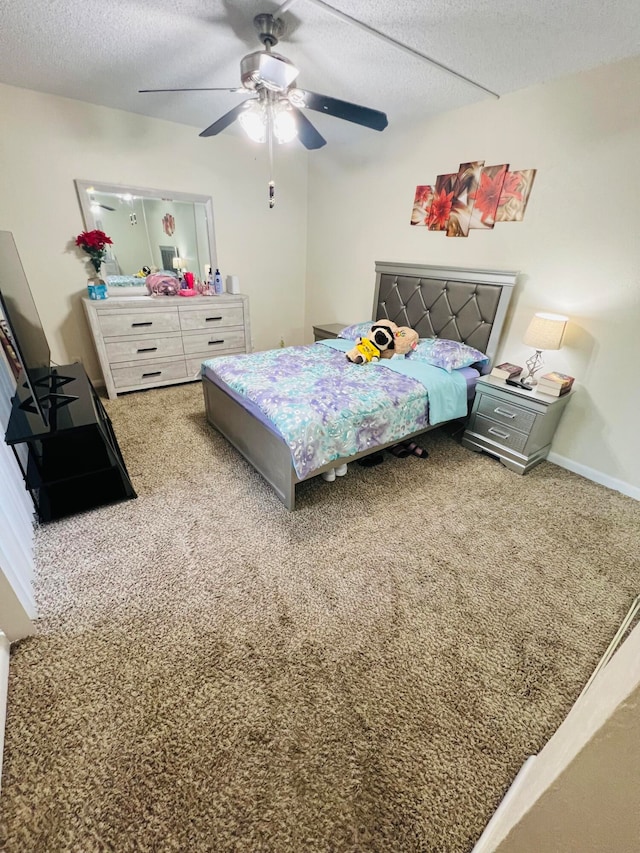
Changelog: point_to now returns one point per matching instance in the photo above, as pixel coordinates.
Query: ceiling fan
(275, 108)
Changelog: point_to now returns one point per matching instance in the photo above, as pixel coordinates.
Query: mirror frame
(89, 222)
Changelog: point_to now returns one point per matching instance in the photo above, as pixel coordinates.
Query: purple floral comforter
(324, 407)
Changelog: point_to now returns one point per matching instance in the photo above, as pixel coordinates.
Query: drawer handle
(216, 342)
(504, 412)
(155, 373)
(146, 323)
(498, 433)
(209, 319)
(147, 349)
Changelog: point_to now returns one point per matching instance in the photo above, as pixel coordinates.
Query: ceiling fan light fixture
(284, 124)
(254, 121)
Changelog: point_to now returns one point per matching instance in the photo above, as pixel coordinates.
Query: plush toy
(406, 340)
(379, 343)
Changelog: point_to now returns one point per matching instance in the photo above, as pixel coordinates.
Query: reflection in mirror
(159, 229)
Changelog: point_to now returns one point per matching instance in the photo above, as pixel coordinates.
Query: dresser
(145, 341)
(512, 424)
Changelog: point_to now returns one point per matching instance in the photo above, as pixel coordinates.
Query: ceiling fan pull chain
(272, 185)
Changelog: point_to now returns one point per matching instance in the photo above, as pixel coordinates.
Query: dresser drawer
(506, 436)
(139, 322)
(144, 348)
(515, 417)
(149, 373)
(213, 342)
(210, 318)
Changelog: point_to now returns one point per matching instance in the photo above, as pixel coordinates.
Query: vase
(96, 287)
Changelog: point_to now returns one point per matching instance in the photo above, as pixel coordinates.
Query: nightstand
(328, 330)
(512, 424)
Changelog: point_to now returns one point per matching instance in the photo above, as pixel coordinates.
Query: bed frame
(467, 305)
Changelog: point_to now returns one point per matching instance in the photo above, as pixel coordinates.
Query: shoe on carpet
(341, 470)
(400, 450)
(416, 450)
(329, 475)
(371, 460)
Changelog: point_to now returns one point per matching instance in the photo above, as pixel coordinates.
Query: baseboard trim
(4, 688)
(493, 833)
(596, 476)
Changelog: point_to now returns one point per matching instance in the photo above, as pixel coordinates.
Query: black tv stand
(73, 463)
(52, 401)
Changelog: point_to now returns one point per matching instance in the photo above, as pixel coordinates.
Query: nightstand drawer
(506, 436)
(514, 417)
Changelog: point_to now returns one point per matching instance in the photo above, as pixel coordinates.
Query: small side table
(512, 424)
(327, 330)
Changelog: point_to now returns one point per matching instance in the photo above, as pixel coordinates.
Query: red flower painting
(487, 196)
(440, 210)
(475, 197)
(511, 187)
(421, 204)
(515, 195)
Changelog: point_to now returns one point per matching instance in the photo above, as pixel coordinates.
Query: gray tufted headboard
(464, 305)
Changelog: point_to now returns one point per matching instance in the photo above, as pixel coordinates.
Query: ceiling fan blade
(225, 120)
(236, 89)
(307, 134)
(340, 109)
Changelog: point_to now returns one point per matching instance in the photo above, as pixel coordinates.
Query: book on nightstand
(555, 383)
(506, 370)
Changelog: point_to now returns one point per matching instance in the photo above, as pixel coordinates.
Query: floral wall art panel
(422, 204)
(474, 197)
(464, 190)
(487, 196)
(441, 203)
(515, 195)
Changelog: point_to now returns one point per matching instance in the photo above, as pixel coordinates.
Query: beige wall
(577, 247)
(47, 141)
(580, 794)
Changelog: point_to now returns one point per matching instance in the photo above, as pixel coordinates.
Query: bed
(454, 304)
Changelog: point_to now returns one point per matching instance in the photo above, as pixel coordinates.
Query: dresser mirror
(158, 229)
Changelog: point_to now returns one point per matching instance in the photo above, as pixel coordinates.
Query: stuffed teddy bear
(406, 340)
(379, 343)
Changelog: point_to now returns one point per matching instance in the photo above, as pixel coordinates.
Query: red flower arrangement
(94, 244)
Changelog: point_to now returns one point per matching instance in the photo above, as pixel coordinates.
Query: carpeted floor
(365, 675)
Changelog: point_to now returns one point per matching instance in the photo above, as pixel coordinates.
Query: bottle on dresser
(217, 283)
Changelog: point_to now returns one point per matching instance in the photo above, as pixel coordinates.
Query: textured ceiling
(103, 51)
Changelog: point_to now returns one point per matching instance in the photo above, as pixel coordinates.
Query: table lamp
(179, 264)
(545, 331)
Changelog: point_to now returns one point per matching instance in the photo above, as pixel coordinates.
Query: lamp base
(533, 366)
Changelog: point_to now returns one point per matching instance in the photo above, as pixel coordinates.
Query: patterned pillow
(356, 330)
(450, 355)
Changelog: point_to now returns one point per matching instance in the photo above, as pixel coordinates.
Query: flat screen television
(21, 334)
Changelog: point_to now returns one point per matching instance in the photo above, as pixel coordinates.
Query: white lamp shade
(178, 263)
(546, 331)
